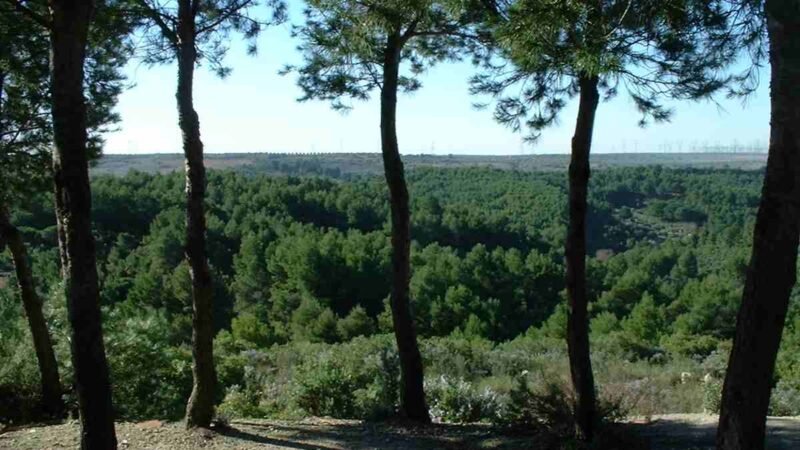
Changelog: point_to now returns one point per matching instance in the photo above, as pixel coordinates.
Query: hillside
(303, 329)
(342, 164)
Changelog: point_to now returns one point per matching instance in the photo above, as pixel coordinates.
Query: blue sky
(255, 110)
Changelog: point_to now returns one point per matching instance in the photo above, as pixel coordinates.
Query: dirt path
(684, 432)
(697, 432)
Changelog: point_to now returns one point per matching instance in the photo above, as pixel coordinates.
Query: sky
(256, 110)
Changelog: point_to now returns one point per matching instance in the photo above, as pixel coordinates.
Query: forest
(560, 303)
(300, 264)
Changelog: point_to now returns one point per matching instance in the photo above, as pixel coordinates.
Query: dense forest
(298, 261)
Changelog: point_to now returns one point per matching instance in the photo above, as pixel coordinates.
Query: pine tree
(191, 31)
(43, 85)
(352, 48)
(772, 272)
(545, 53)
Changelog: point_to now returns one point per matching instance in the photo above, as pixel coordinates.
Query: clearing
(676, 431)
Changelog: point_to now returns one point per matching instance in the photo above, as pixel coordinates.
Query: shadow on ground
(330, 435)
(671, 432)
(697, 432)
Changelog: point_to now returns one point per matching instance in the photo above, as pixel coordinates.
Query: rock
(150, 424)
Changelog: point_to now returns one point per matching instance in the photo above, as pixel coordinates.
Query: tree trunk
(412, 394)
(200, 408)
(578, 322)
(52, 404)
(773, 263)
(68, 37)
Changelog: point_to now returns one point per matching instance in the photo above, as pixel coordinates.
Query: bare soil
(683, 431)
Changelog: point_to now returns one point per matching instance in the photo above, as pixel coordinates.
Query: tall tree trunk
(412, 393)
(773, 263)
(52, 404)
(200, 408)
(70, 25)
(580, 364)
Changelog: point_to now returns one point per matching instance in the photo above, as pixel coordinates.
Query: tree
(550, 52)
(191, 31)
(84, 57)
(773, 263)
(24, 159)
(352, 48)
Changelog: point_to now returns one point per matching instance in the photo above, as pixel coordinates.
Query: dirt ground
(685, 432)
(697, 431)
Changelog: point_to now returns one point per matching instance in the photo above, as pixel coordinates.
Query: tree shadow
(390, 435)
(259, 439)
(671, 435)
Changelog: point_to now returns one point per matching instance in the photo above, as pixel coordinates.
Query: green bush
(151, 377)
(712, 396)
(359, 379)
(325, 388)
(356, 323)
(240, 403)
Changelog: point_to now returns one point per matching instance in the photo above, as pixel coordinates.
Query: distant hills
(348, 164)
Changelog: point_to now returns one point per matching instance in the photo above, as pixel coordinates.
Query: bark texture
(200, 408)
(773, 263)
(412, 394)
(52, 403)
(68, 36)
(580, 363)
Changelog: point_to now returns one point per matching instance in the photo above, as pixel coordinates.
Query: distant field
(345, 164)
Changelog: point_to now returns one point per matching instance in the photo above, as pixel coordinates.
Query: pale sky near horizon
(255, 110)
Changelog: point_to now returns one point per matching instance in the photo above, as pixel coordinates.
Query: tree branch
(225, 15)
(158, 18)
(31, 14)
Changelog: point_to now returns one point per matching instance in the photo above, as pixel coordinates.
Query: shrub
(151, 378)
(457, 356)
(356, 379)
(712, 396)
(325, 388)
(785, 400)
(456, 400)
(548, 410)
(356, 323)
(240, 403)
(249, 329)
(690, 345)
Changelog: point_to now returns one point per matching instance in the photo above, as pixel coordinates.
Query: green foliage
(212, 23)
(302, 263)
(19, 374)
(645, 322)
(338, 384)
(357, 323)
(314, 323)
(545, 48)
(247, 329)
(150, 375)
(712, 396)
(326, 389)
(25, 118)
(345, 44)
